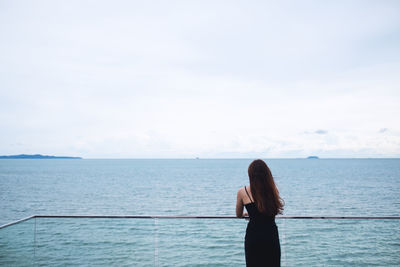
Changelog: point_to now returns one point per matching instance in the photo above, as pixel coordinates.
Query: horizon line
(200, 158)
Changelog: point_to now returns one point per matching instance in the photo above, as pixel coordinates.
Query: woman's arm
(239, 205)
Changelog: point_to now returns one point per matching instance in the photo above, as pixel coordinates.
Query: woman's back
(262, 246)
(256, 217)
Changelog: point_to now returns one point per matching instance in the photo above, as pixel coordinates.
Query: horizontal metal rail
(213, 217)
(15, 222)
(197, 217)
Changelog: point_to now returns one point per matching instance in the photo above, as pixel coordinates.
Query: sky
(208, 79)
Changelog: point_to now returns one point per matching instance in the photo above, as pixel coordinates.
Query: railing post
(156, 263)
(34, 240)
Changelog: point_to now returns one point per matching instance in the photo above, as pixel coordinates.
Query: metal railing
(163, 240)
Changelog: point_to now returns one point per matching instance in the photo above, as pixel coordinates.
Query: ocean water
(324, 187)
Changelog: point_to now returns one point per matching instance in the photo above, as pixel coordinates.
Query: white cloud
(181, 79)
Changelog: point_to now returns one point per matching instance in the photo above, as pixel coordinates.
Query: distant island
(36, 156)
(313, 157)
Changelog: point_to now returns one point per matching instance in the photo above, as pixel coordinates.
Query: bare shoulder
(240, 192)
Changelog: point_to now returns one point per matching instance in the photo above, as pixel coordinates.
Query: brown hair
(263, 189)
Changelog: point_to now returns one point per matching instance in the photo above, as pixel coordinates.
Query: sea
(194, 187)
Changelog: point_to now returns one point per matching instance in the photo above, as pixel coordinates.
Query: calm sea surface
(324, 187)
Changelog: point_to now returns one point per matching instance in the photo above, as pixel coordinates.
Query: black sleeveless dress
(262, 247)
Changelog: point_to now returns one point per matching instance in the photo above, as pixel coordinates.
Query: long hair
(263, 189)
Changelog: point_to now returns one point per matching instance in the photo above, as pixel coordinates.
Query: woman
(263, 203)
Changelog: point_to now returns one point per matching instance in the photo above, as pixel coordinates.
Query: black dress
(262, 247)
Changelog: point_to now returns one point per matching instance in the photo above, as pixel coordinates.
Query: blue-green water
(326, 187)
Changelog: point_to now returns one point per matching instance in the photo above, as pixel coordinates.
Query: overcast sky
(211, 79)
